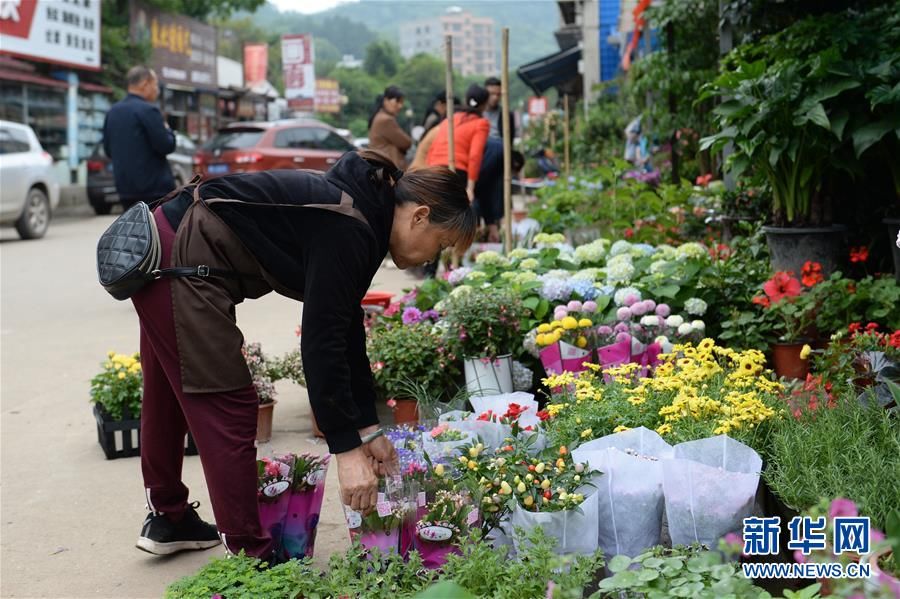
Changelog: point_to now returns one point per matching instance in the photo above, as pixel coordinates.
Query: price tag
(472, 518)
(421, 501)
(383, 508)
(381, 498)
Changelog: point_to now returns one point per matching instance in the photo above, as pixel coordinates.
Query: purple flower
(574, 306)
(623, 313)
(604, 330)
(650, 304)
(623, 337)
(431, 315)
(663, 310)
(621, 328)
(589, 307)
(841, 507)
(638, 309)
(412, 315)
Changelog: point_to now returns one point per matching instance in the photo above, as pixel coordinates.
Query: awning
(23, 77)
(94, 87)
(551, 71)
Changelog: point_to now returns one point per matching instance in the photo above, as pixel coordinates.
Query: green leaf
(619, 563)
(542, 309)
(817, 115)
(648, 575)
(652, 562)
(867, 135)
(839, 122)
(668, 291)
(833, 88)
(531, 303)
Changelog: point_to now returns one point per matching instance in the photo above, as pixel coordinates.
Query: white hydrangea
(490, 258)
(695, 306)
(591, 253)
(664, 344)
(685, 329)
(518, 253)
(651, 320)
(508, 275)
(461, 290)
(620, 247)
(666, 252)
(476, 275)
(620, 272)
(658, 266)
(530, 343)
(698, 325)
(525, 276)
(548, 239)
(621, 294)
(691, 250)
(529, 264)
(674, 321)
(558, 273)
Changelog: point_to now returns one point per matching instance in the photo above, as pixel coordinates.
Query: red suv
(246, 147)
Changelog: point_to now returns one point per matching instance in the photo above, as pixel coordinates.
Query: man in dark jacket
(494, 112)
(137, 139)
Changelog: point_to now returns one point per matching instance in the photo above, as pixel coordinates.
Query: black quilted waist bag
(128, 255)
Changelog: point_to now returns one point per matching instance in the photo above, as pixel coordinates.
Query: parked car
(101, 186)
(261, 146)
(29, 192)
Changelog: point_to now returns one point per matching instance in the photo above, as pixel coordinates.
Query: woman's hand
(359, 485)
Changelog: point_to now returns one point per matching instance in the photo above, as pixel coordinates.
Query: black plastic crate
(122, 438)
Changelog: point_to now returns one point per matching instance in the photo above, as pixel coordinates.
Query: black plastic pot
(790, 248)
(893, 225)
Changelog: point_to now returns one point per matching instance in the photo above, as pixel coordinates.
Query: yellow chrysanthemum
(585, 322)
(544, 328)
(569, 323)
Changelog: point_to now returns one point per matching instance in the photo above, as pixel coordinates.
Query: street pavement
(69, 518)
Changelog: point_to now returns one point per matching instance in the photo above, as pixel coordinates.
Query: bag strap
(202, 271)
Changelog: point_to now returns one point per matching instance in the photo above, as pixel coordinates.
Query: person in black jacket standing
(137, 139)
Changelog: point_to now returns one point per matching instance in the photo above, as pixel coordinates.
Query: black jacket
(327, 258)
(137, 140)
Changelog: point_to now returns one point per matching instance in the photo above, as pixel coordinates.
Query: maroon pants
(223, 426)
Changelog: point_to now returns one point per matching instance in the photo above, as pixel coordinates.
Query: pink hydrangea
(589, 307)
(574, 306)
(663, 310)
(631, 299)
(638, 309)
(841, 507)
(623, 313)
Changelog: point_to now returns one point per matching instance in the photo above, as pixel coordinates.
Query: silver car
(29, 191)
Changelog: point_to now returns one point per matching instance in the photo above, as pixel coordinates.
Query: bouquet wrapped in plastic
(630, 495)
(304, 506)
(710, 487)
(381, 528)
(443, 442)
(273, 490)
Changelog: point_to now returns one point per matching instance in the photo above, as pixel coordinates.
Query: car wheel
(35, 217)
(102, 209)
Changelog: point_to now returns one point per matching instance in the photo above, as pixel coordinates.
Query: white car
(29, 191)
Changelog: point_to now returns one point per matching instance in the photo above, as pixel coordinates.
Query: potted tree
(800, 105)
(484, 327)
(402, 354)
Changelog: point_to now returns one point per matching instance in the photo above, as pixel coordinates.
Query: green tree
(421, 78)
(382, 59)
(361, 90)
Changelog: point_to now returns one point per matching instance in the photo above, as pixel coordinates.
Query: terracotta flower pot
(406, 411)
(264, 421)
(787, 362)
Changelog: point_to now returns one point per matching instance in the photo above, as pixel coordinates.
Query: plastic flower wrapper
(630, 493)
(305, 505)
(273, 491)
(407, 440)
(442, 442)
(567, 342)
(381, 528)
(710, 487)
(519, 407)
(561, 498)
(522, 376)
(492, 434)
(447, 518)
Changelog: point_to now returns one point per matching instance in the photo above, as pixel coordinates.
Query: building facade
(474, 48)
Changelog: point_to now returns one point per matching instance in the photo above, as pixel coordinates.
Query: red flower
(812, 273)
(859, 254)
(854, 328)
(894, 340)
(782, 285)
(761, 300)
(486, 416)
(703, 180)
(545, 415)
(629, 233)
(872, 326)
(851, 288)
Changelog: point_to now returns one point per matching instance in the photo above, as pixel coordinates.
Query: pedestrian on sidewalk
(385, 133)
(470, 132)
(137, 139)
(315, 237)
(494, 112)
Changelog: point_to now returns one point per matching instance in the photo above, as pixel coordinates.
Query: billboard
(65, 33)
(256, 64)
(184, 49)
(298, 61)
(328, 95)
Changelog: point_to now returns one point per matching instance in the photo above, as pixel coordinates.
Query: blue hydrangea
(555, 289)
(584, 288)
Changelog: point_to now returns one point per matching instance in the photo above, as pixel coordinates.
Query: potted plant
(117, 393)
(265, 387)
(483, 325)
(402, 354)
(789, 111)
(792, 313)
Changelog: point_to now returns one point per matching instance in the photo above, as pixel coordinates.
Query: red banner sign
(256, 64)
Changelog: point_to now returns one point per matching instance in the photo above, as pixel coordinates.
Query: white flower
(666, 252)
(685, 329)
(664, 343)
(658, 266)
(476, 275)
(624, 292)
(620, 247)
(591, 253)
(518, 253)
(529, 264)
(508, 275)
(695, 306)
(526, 276)
(691, 250)
(530, 343)
(620, 273)
(490, 258)
(651, 320)
(699, 325)
(460, 291)
(588, 274)
(674, 321)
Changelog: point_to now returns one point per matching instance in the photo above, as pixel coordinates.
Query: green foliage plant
(118, 388)
(402, 353)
